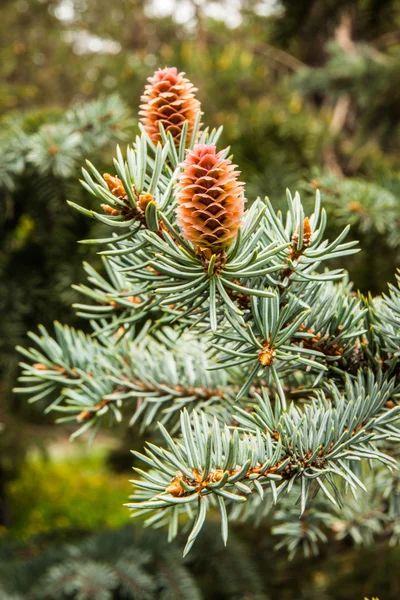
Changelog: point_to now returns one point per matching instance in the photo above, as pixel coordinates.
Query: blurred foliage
(124, 564)
(131, 563)
(80, 494)
(41, 152)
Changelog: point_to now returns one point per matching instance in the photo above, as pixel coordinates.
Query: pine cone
(168, 99)
(210, 201)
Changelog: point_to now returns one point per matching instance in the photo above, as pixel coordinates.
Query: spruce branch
(270, 449)
(204, 302)
(89, 381)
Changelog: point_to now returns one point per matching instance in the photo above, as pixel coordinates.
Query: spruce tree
(218, 323)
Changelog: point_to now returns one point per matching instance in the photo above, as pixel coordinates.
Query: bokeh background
(308, 92)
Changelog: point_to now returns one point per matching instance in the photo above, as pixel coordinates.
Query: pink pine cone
(210, 201)
(168, 99)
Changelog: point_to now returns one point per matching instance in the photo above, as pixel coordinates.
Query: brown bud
(307, 238)
(86, 415)
(216, 475)
(134, 299)
(355, 207)
(307, 233)
(119, 333)
(115, 185)
(175, 488)
(144, 200)
(267, 356)
(40, 367)
(113, 212)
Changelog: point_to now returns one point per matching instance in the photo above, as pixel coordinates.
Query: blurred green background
(308, 92)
